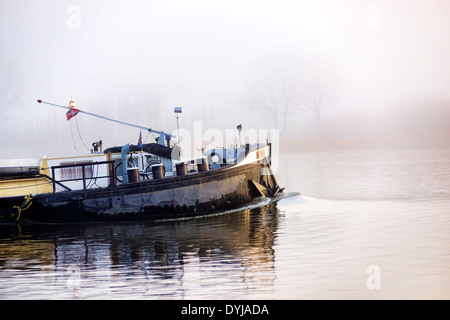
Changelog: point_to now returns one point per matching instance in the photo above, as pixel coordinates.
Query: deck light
(239, 128)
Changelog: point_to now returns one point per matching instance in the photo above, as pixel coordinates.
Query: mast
(162, 134)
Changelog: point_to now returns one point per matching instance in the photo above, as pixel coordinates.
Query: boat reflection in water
(223, 256)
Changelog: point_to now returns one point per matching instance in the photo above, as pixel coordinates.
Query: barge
(133, 182)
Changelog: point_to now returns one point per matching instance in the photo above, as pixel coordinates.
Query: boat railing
(85, 177)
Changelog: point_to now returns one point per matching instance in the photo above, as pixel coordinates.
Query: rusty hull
(176, 197)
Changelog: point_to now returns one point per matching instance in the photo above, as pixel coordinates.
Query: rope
(79, 134)
(71, 133)
(25, 205)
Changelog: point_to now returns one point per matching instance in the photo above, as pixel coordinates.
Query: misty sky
(138, 59)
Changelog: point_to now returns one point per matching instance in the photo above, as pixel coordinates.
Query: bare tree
(318, 89)
(283, 85)
(149, 104)
(11, 90)
(316, 98)
(274, 91)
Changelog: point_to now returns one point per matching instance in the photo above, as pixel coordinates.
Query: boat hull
(177, 197)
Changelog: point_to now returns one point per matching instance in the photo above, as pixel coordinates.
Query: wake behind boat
(146, 181)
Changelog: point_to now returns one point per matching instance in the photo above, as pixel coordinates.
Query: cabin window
(72, 173)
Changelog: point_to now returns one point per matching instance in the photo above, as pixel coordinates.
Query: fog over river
(326, 74)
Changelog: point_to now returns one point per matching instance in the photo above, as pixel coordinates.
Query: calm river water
(350, 225)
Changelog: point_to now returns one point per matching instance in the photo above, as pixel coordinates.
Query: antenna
(178, 111)
(72, 105)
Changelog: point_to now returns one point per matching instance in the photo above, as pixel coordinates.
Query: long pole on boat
(167, 135)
